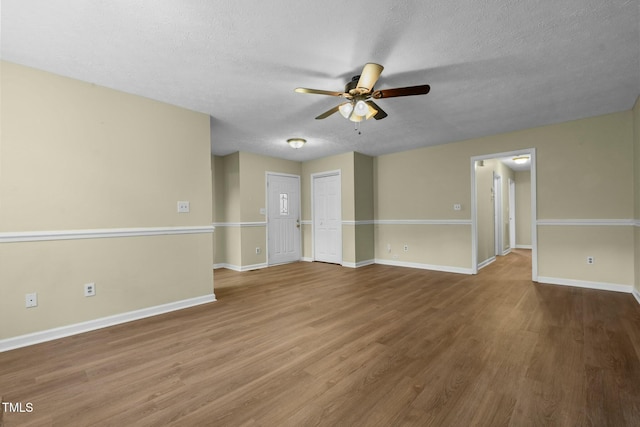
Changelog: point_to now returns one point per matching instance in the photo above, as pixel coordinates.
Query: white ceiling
(493, 65)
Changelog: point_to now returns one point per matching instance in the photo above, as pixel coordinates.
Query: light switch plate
(31, 300)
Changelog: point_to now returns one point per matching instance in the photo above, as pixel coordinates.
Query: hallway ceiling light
(521, 160)
(296, 142)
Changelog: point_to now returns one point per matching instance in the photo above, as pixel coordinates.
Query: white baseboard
(254, 266)
(636, 294)
(227, 266)
(524, 247)
(359, 263)
(241, 267)
(103, 322)
(586, 284)
(445, 268)
(506, 252)
(486, 262)
(306, 259)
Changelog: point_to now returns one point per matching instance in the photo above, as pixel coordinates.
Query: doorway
(327, 216)
(476, 163)
(283, 218)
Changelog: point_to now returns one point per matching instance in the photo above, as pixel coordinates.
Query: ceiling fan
(359, 93)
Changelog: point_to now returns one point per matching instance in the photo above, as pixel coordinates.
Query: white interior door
(327, 218)
(283, 218)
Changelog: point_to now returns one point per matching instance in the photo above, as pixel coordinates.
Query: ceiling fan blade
(328, 113)
(380, 112)
(369, 77)
(402, 91)
(318, 91)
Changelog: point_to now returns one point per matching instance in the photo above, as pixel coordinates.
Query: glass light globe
(361, 108)
(346, 109)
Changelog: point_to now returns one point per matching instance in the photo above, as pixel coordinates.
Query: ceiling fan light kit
(359, 92)
(346, 109)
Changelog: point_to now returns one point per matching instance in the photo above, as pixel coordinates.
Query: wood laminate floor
(318, 344)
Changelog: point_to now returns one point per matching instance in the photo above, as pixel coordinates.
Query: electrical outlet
(405, 248)
(89, 289)
(183, 207)
(31, 300)
(591, 260)
(258, 250)
(457, 207)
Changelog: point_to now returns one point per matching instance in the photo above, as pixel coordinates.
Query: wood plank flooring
(318, 344)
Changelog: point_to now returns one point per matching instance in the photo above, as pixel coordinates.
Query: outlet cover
(89, 289)
(591, 260)
(183, 207)
(457, 207)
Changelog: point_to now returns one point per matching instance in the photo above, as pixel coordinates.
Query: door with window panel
(283, 218)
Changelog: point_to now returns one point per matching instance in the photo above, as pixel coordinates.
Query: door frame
(266, 197)
(497, 215)
(512, 214)
(337, 172)
(531, 152)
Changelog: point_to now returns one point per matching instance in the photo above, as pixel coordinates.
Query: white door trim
(498, 239)
(337, 172)
(531, 152)
(266, 198)
(512, 214)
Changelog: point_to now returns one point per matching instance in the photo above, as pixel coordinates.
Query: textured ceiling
(493, 65)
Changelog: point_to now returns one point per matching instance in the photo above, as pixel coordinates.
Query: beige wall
(218, 186)
(584, 171)
(437, 246)
(636, 141)
(77, 156)
(363, 187)
(523, 208)
(232, 199)
(424, 183)
(218, 209)
(363, 194)
(563, 251)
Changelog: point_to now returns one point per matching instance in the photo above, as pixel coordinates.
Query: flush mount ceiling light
(521, 160)
(296, 142)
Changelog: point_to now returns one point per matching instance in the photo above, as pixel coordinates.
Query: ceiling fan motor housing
(352, 84)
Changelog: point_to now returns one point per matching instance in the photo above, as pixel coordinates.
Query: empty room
(319, 213)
